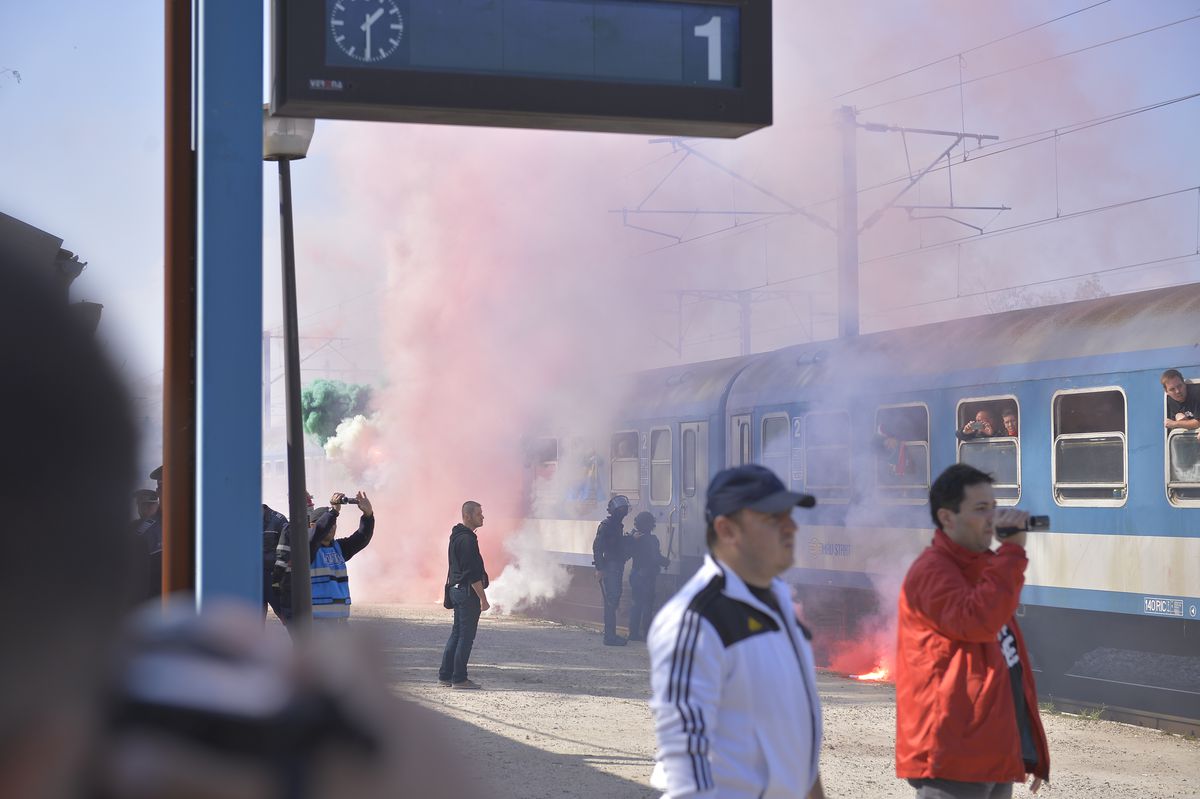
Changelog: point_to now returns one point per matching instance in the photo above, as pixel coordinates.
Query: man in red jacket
(967, 724)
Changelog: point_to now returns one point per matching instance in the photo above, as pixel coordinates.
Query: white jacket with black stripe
(735, 703)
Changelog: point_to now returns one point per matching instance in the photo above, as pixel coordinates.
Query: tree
(327, 403)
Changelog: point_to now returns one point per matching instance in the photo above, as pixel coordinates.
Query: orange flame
(878, 674)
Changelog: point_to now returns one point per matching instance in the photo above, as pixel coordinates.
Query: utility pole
(847, 229)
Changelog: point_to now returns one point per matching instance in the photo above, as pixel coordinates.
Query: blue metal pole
(229, 301)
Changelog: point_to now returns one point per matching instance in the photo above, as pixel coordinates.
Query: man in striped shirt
(734, 690)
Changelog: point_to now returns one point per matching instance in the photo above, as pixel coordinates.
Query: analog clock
(366, 30)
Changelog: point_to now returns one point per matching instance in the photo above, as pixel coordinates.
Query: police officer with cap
(149, 532)
(732, 678)
(609, 553)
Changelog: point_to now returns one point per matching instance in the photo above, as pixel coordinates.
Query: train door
(686, 542)
(739, 440)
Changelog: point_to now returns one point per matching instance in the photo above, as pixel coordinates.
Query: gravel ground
(563, 716)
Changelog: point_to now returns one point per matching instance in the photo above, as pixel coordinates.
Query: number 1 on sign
(711, 30)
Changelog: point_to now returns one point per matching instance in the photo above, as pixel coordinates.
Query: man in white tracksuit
(735, 703)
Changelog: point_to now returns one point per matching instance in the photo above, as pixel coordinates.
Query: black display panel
(667, 67)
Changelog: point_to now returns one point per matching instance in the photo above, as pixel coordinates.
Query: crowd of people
(183, 710)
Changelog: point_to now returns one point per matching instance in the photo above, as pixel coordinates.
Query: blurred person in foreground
(732, 678)
(967, 724)
(648, 561)
(66, 477)
(466, 591)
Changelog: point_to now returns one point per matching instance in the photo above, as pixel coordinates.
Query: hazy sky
(81, 155)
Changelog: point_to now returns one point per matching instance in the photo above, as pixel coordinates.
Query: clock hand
(372, 19)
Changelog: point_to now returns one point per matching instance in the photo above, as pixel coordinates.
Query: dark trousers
(642, 588)
(951, 789)
(270, 598)
(462, 635)
(610, 589)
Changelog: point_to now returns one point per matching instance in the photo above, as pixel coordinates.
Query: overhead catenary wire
(977, 47)
(1038, 62)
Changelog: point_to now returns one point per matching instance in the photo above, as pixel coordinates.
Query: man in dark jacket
(648, 560)
(466, 581)
(609, 553)
(967, 722)
(274, 523)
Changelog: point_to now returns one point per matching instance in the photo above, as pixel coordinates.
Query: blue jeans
(462, 635)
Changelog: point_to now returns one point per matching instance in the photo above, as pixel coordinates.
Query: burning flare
(880, 673)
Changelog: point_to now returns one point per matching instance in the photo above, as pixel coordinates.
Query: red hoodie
(955, 716)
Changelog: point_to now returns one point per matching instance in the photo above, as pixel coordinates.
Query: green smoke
(327, 403)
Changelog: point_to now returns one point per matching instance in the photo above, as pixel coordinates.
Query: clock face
(366, 30)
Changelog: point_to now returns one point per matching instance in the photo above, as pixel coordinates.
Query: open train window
(623, 477)
(660, 466)
(542, 457)
(580, 469)
(688, 467)
(827, 455)
(902, 452)
(777, 444)
(1182, 463)
(1090, 464)
(989, 438)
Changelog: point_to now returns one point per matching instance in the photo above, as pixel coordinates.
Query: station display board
(665, 67)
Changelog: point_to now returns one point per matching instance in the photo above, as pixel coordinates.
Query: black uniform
(609, 553)
(150, 535)
(274, 523)
(648, 560)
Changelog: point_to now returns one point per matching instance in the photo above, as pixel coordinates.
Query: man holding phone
(967, 724)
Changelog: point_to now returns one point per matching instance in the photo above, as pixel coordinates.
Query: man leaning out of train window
(1183, 402)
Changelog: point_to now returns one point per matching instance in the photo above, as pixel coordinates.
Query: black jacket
(647, 556)
(466, 564)
(352, 544)
(610, 547)
(274, 523)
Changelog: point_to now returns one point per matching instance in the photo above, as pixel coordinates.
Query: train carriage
(1112, 593)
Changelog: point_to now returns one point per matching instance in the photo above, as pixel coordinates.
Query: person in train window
(1183, 402)
(648, 561)
(982, 426)
(609, 553)
(967, 722)
(1009, 417)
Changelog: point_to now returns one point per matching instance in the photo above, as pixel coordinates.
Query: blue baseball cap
(754, 487)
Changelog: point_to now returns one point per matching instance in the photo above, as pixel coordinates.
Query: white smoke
(355, 446)
(532, 578)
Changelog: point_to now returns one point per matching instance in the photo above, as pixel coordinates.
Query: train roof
(1125, 323)
(693, 390)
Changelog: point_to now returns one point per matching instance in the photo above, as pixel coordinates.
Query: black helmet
(618, 502)
(645, 521)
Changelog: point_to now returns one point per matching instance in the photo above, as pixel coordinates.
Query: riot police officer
(648, 561)
(609, 553)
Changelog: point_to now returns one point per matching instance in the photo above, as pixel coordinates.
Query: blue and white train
(1111, 605)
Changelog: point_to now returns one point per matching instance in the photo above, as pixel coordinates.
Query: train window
(1090, 464)
(827, 455)
(777, 445)
(902, 452)
(989, 438)
(623, 477)
(739, 440)
(542, 457)
(660, 466)
(580, 466)
(689, 463)
(1183, 464)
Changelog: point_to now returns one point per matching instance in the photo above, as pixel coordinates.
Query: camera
(977, 427)
(349, 499)
(1034, 523)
